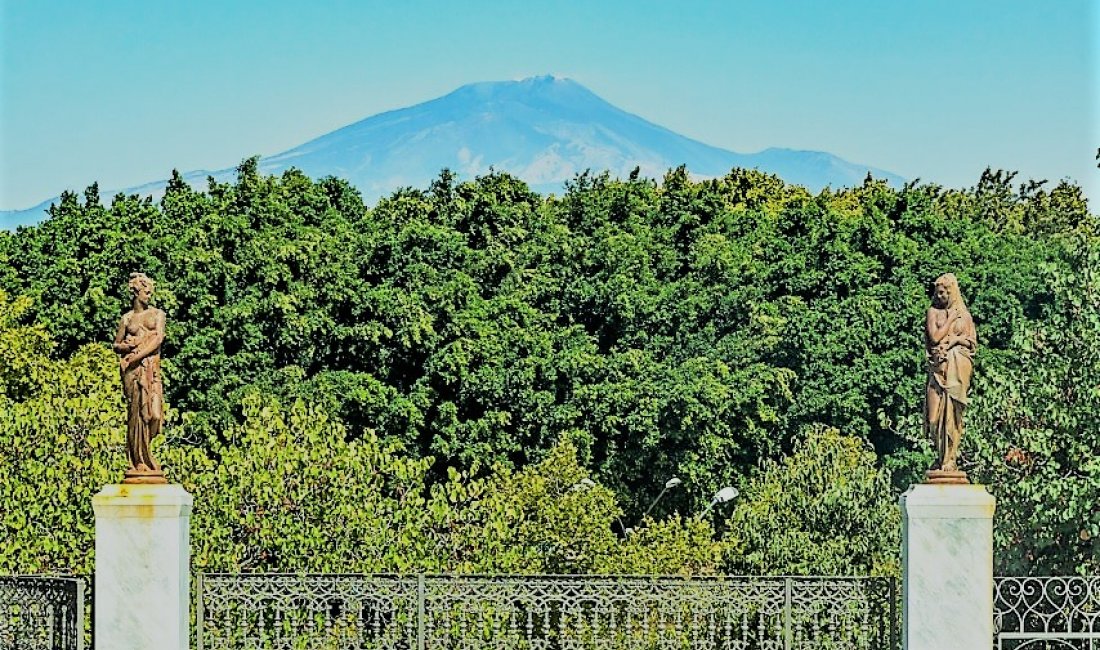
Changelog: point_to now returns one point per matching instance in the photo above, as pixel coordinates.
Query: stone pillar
(947, 557)
(142, 567)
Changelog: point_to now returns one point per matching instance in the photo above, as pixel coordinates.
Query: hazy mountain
(544, 130)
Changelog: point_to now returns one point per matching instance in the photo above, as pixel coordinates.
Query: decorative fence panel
(1044, 613)
(425, 612)
(41, 613)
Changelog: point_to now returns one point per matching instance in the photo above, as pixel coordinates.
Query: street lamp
(721, 496)
(669, 484)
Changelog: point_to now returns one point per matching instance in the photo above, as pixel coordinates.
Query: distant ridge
(543, 129)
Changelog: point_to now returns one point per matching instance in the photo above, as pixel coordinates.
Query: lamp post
(721, 496)
(669, 484)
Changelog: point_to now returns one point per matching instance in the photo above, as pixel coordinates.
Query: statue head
(945, 293)
(141, 287)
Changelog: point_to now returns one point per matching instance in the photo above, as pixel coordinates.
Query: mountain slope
(544, 130)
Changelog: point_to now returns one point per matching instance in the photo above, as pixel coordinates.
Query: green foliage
(290, 490)
(61, 441)
(1037, 422)
(432, 353)
(547, 518)
(683, 545)
(827, 509)
(24, 350)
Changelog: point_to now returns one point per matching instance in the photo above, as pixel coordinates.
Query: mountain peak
(543, 79)
(545, 87)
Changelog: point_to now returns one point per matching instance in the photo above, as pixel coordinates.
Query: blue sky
(122, 92)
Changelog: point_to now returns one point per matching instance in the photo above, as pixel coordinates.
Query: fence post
(198, 609)
(78, 627)
(788, 630)
(420, 640)
(893, 624)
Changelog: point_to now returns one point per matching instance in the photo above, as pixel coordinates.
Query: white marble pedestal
(947, 555)
(142, 567)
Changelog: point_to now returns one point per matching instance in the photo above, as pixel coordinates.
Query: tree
(828, 509)
(61, 439)
(1035, 434)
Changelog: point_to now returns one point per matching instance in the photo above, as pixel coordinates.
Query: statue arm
(121, 346)
(968, 338)
(936, 334)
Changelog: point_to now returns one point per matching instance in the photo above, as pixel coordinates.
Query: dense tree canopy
(473, 340)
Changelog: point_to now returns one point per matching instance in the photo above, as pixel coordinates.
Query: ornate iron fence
(41, 613)
(543, 612)
(1040, 613)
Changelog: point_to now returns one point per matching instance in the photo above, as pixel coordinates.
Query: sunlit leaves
(826, 509)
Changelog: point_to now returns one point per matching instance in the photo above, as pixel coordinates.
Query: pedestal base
(946, 477)
(142, 567)
(144, 477)
(947, 554)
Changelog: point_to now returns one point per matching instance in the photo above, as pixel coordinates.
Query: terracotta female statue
(950, 341)
(138, 341)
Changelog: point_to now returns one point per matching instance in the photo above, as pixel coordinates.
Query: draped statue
(950, 342)
(137, 342)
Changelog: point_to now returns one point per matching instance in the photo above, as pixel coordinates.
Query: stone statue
(950, 342)
(138, 341)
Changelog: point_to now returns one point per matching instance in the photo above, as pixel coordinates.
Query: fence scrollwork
(41, 613)
(446, 611)
(1036, 613)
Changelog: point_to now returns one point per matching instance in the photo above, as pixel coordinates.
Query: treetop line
(476, 336)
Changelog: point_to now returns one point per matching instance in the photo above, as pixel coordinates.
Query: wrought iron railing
(1038, 613)
(41, 613)
(424, 612)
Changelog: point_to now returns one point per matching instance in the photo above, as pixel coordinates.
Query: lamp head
(726, 494)
(583, 484)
